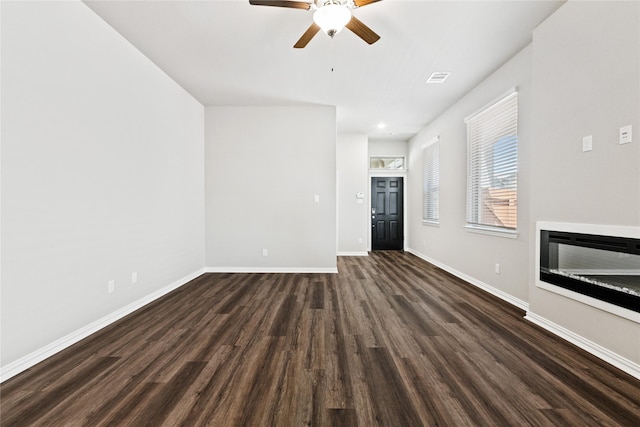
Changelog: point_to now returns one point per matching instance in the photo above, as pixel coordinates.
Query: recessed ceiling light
(438, 77)
(382, 125)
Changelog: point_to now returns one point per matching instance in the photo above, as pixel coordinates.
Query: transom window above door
(387, 162)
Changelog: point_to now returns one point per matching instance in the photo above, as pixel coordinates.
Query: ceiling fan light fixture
(332, 18)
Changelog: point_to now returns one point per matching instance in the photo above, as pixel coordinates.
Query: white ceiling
(227, 52)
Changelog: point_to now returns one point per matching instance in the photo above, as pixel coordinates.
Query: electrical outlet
(111, 286)
(134, 278)
(264, 252)
(360, 240)
(497, 268)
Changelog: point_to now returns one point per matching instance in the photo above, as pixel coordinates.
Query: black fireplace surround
(603, 267)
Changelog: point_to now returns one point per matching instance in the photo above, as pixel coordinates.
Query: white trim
(490, 231)
(430, 142)
(431, 223)
(376, 173)
(14, 368)
(301, 270)
(625, 313)
(523, 305)
(384, 173)
(498, 99)
(353, 253)
(597, 350)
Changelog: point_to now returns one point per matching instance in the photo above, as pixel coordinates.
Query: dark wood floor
(390, 340)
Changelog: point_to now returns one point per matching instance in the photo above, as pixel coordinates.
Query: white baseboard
(14, 368)
(597, 350)
(523, 305)
(299, 270)
(353, 253)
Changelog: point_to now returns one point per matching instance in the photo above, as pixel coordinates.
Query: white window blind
(492, 166)
(431, 176)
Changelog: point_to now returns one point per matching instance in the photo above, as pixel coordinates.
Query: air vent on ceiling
(438, 77)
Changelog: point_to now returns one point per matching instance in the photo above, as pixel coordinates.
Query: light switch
(625, 134)
(587, 143)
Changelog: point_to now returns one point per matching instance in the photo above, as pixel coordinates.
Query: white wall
(264, 167)
(102, 174)
(353, 177)
(388, 148)
(449, 245)
(587, 82)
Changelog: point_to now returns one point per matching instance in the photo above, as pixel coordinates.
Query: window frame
(431, 181)
(481, 150)
(391, 158)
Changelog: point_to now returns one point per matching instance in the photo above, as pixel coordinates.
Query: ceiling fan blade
(282, 3)
(361, 3)
(307, 36)
(362, 31)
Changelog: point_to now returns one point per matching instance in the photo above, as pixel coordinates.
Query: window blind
(492, 165)
(431, 174)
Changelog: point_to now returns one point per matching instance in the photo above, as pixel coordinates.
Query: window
(431, 181)
(387, 163)
(492, 166)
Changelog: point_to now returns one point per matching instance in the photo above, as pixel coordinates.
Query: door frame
(391, 174)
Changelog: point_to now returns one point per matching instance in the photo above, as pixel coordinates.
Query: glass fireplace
(603, 267)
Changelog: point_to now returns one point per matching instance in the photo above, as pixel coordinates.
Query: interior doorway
(387, 206)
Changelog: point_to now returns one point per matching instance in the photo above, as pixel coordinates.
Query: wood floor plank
(390, 340)
(394, 405)
(169, 395)
(441, 411)
(47, 402)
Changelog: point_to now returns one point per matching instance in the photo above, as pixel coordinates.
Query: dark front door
(386, 214)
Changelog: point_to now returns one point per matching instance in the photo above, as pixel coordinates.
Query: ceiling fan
(330, 16)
